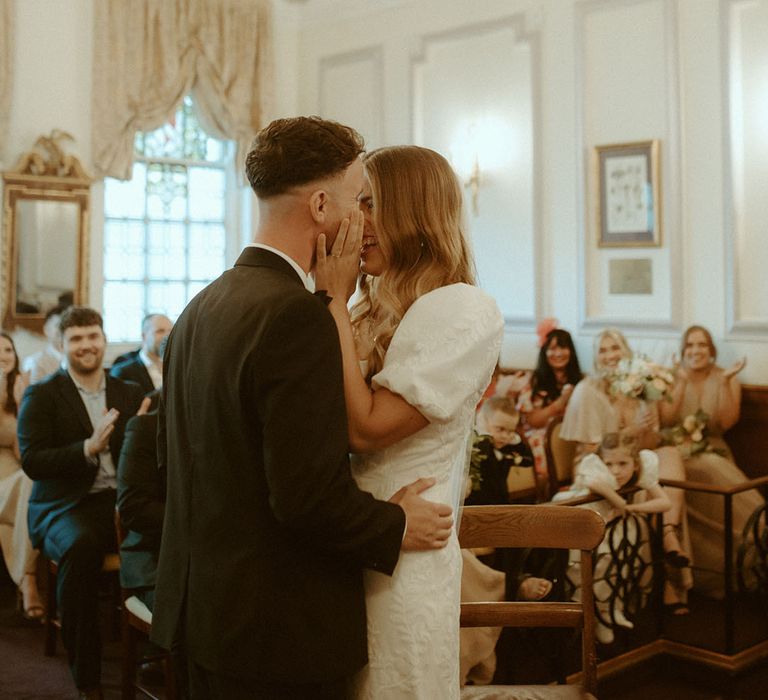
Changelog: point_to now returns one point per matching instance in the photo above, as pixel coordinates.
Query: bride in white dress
(427, 340)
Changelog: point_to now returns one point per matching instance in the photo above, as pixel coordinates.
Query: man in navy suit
(70, 430)
(146, 367)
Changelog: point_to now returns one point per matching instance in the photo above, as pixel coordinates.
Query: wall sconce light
(472, 183)
(489, 138)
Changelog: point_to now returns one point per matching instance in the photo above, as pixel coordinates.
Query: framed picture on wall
(628, 194)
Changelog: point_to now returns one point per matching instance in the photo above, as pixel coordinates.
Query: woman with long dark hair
(551, 384)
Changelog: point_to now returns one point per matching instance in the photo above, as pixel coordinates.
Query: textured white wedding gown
(440, 360)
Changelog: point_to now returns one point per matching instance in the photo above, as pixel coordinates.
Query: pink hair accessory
(544, 328)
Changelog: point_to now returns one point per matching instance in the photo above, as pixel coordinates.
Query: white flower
(689, 423)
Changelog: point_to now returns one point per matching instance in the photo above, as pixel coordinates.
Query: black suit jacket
(126, 356)
(53, 424)
(134, 371)
(493, 488)
(141, 502)
(265, 534)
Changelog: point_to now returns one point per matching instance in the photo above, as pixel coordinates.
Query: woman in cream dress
(15, 487)
(593, 412)
(703, 386)
(429, 340)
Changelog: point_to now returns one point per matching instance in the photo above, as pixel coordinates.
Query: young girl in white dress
(617, 464)
(427, 340)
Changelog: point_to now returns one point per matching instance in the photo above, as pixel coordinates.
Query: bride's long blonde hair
(420, 233)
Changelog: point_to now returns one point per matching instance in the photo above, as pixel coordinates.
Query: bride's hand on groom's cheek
(428, 524)
(337, 272)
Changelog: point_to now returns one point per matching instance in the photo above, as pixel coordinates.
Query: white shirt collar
(146, 360)
(305, 278)
(80, 387)
(155, 369)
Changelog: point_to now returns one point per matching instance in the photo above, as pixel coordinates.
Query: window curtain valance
(6, 69)
(148, 54)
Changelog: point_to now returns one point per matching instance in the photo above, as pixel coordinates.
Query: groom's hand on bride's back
(428, 525)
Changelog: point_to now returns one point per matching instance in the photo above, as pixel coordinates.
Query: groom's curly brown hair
(295, 151)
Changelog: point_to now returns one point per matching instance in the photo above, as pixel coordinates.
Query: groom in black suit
(71, 428)
(266, 534)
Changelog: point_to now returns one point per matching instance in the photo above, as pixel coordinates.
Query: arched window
(166, 229)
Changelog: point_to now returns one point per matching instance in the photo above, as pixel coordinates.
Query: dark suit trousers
(78, 541)
(206, 685)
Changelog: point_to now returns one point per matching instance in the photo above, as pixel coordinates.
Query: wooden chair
(136, 624)
(110, 567)
(560, 457)
(544, 526)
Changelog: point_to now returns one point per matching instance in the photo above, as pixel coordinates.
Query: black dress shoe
(92, 694)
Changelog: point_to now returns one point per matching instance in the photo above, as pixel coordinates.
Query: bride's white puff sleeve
(444, 350)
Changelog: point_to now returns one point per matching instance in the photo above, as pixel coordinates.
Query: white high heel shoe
(621, 620)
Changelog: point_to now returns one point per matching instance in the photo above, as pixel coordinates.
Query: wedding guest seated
(551, 384)
(48, 360)
(599, 405)
(501, 456)
(488, 574)
(146, 368)
(15, 488)
(706, 401)
(141, 503)
(618, 463)
(70, 429)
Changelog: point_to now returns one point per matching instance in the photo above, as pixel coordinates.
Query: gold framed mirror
(46, 206)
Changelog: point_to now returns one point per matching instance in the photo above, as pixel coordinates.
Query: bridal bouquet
(640, 378)
(690, 435)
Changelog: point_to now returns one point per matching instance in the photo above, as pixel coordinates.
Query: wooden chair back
(560, 457)
(542, 526)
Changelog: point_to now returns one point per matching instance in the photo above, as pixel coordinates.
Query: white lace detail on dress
(440, 360)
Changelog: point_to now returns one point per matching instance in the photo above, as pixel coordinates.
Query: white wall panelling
(745, 58)
(628, 91)
(350, 91)
(474, 95)
(600, 72)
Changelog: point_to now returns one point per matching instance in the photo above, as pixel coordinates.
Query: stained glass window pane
(126, 198)
(124, 250)
(207, 188)
(214, 150)
(167, 191)
(124, 307)
(166, 250)
(182, 138)
(165, 231)
(206, 251)
(165, 142)
(169, 298)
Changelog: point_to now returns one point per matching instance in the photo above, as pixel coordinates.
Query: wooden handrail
(709, 488)
(516, 614)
